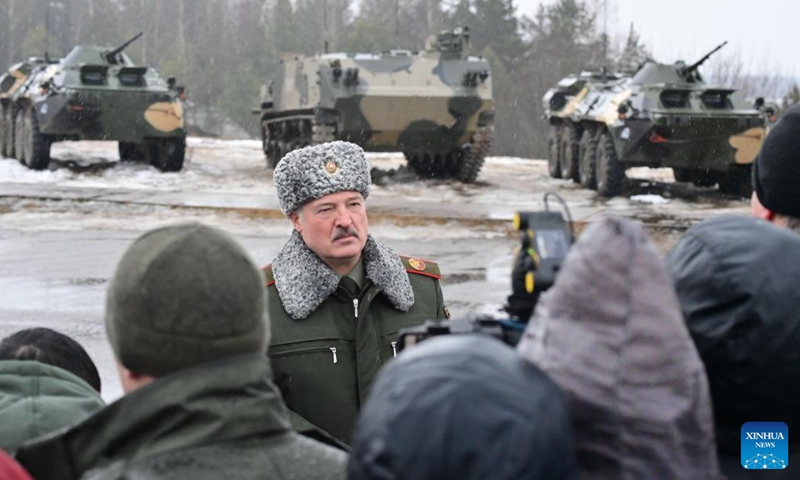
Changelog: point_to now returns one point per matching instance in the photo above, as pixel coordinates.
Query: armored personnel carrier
(660, 116)
(434, 106)
(93, 93)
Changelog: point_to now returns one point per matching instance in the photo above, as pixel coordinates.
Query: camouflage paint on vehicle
(661, 116)
(94, 93)
(436, 106)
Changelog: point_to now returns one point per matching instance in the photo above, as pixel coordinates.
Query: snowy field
(63, 230)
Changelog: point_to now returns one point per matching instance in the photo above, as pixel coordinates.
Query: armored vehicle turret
(93, 93)
(434, 106)
(660, 116)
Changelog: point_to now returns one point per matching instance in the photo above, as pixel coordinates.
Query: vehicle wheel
(586, 164)
(469, 165)
(737, 181)
(3, 128)
(441, 167)
(704, 178)
(569, 153)
(609, 172)
(422, 165)
(131, 152)
(8, 133)
(19, 135)
(36, 146)
(553, 151)
(272, 154)
(683, 175)
(169, 153)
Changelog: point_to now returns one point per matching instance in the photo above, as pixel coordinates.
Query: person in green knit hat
(185, 316)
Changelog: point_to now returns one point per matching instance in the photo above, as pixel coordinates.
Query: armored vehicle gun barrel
(691, 68)
(113, 53)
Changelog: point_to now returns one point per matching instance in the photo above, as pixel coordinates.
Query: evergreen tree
(633, 54)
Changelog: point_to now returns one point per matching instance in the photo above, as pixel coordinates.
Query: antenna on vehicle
(46, 31)
(605, 39)
(325, 21)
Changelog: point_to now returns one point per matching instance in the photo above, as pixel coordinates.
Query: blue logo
(765, 445)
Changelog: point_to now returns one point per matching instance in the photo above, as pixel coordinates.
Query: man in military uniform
(337, 296)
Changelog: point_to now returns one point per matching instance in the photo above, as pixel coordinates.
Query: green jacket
(36, 398)
(327, 343)
(219, 420)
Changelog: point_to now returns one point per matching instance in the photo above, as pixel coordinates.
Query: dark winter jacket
(222, 420)
(610, 334)
(327, 342)
(36, 398)
(738, 281)
(463, 407)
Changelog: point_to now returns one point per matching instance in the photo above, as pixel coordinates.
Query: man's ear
(295, 219)
(131, 380)
(760, 211)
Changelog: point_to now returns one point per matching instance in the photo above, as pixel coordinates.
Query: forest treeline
(223, 50)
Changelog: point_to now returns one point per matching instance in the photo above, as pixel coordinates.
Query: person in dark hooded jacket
(186, 320)
(738, 282)
(610, 334)
(462, 407)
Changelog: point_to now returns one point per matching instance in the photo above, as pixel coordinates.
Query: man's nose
(343, 218)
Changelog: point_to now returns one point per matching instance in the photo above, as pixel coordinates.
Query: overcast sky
(765, 32)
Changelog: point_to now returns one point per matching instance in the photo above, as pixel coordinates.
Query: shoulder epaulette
(421, 267)
(267, 275)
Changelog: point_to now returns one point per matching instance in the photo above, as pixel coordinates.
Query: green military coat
(221, 420)
(328, 343)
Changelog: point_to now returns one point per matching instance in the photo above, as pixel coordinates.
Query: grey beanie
(184, 295)
(313, 172)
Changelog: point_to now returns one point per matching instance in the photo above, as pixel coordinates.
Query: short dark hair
(53, 348)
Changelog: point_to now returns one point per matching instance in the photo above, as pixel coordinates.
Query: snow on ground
(42, 216)
(505, 185)
(654, 199)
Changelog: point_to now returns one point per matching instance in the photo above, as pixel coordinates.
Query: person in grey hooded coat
(462, 407)
(611, 335)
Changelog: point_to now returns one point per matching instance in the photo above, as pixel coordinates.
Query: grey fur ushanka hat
(313, 172)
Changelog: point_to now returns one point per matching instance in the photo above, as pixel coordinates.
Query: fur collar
(304, 282)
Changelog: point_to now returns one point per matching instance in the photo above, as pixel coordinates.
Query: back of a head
(184, 295)
(462, 407)
(48, 346)
(738, 280)
(776, 169)
(610, 334)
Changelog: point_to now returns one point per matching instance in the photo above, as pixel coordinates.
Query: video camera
(545, 238)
